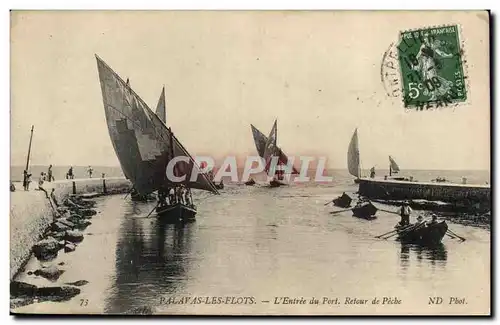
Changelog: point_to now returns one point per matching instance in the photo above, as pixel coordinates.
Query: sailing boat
(353, 161)
(393, 167)
(271, 150)
(144, 146)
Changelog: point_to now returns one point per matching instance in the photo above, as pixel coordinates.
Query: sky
(317, 73)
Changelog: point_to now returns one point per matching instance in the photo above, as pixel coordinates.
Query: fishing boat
(343, 201)
(394, 169)
(365, 210)
(250, 182)
(425, 234)
(353, 161)
(275, 160)
(144, 147)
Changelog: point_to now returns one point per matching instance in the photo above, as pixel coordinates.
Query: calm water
(264, 243)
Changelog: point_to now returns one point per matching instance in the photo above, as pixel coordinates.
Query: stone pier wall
(31, 212)
(401, 190)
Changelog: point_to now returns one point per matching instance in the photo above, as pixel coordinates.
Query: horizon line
(329, 168)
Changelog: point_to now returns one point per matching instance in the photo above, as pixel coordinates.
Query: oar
(335, 212)
(395, 230)
(404, 230)
(153, 209)
(460, 237)
(129, 191)
(329, 202)
(450, 235)
(388, 211)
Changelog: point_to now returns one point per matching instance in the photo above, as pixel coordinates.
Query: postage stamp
(431, 66)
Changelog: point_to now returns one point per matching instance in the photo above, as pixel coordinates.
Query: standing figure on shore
(26, 180)
(40, 182)
(372, 172)
(70, 175)
(53, 197)
(50, 177)
(90, 171)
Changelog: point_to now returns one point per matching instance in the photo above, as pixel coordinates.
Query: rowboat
(365, 210)
(343, 201)
(250, 182)
(425, 233)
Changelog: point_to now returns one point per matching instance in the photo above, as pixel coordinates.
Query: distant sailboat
(272, 150)
(145, 146)
(353, 161)
(393, 167)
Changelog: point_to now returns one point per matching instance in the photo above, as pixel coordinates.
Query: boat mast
(171, 140)
(359, 155)
(29, 149)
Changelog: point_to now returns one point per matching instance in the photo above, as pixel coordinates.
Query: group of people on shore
(173, 195)
(47, 177)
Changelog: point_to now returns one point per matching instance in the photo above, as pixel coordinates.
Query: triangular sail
(260, 140)
(140, 139)
(270, 150)
(394, 167)
(353, 156)
(161, 107)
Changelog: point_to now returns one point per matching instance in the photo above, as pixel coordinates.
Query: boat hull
(343, 201)
(176, 213)
(365, 211)
(427, 235)
(276, 183)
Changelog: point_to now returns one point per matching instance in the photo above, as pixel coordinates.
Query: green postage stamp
(431, 67)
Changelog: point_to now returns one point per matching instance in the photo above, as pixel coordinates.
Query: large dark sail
(141, 140)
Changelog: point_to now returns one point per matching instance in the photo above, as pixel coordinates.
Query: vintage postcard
(250, 163)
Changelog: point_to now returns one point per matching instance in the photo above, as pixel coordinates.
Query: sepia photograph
(286, 162)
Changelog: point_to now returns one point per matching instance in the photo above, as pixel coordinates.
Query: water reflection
(436, 255)
(151, 261)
